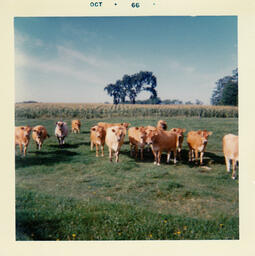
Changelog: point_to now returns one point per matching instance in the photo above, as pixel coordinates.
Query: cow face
(119, 133)
(151, 136)
(60, 125)
(98, 130)
(38, 133)
(204, 136)
(26, 131)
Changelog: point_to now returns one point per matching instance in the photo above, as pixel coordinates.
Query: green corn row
(89, 111)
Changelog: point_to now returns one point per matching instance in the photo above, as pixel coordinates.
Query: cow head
(162, 125)
(119, 133)
(38, 133)
(98, 130)
(204, 136)
(26, 131)
(151, 136)
(60, 125)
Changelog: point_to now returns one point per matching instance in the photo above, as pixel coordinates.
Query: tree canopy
(131, 86)
(226, 91)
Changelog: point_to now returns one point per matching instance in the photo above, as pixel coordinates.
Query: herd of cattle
(158, 138)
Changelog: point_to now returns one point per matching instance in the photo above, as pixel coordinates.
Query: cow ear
(210, 133)
(184, 130)
(137, 128)
(56, 122)
(22, 127)
(174, 130)
(113, 130)
(93, 129)
(199, 132)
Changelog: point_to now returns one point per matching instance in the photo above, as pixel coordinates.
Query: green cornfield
(93, 110)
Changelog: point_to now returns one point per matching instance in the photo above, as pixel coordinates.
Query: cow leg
(196, 155)
(117, 156)
(131, 148)
(159, 156)
(63, 140)
(155, 156)
(91, 145)
(175, 153)
(110, 154)
(179, 154)
(102, 150)
(201, 157)
(21, 148)
(136, 151)
(234, 169)
(97, 149)
(227, 161)
(168, 156)
(141, 153)
(25, 149)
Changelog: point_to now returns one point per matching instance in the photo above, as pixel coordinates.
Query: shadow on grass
(67, 145)
(44, 158)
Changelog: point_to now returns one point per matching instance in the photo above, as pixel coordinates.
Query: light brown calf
(230, 150)
(181, 132)
(197, 141)
(97, 137)
(39, 134)
(162, 141)
(76, 126)
(137, 137)
(114, 139)
(22, 137)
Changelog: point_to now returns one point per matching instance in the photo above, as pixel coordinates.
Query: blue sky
(72, 59)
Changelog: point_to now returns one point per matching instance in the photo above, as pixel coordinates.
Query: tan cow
(230, 150)
(137, 136)
(162, 141)
(114, 139)
(39, 134)
(76, 126)
(61, 131)
(197, 141)
(97, 137)
(181, 132)
(162, 125)
(22, 137)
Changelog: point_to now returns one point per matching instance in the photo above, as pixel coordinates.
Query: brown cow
(137, 137)
(162, 125)
(76, 126)
(97, 137)
(197, 141)
(114, 139)
(22, 137)
(39, 134)
(230, 150)
(180, 131)
(162, 141)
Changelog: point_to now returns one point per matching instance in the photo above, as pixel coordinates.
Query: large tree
(226, 91)
(131, 86)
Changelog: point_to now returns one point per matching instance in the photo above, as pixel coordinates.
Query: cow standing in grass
(180, 132)
(197, 141)
(230, 150)
(114, 139)
(97, 137)
(162, 141)
(76, 126)
(39, 134)
(137, 136)
(22, 138)
(61, 131)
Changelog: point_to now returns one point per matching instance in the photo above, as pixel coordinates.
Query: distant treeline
(87, 111)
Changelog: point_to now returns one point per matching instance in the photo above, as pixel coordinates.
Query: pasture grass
(67, 193)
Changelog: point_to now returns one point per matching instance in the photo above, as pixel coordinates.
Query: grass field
(69, 194)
